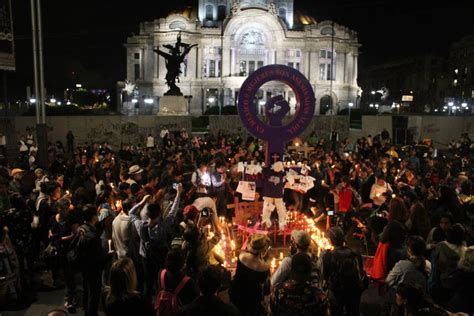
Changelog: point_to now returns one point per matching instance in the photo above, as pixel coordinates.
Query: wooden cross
(275, 157)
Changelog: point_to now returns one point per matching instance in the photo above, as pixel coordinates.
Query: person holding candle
(251, 281)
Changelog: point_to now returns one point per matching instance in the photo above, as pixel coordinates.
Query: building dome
(189, 12)
(304, 19)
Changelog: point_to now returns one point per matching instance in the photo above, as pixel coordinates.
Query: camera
(330, 213)
(206, 212)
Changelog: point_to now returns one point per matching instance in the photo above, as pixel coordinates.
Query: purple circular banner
(304, 97)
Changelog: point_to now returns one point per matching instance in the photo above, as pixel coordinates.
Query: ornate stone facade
(236, 37)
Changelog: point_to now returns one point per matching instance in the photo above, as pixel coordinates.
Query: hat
(39, 170)
(16, 171)
(336, 234)
(301, 238)
(258, 243)
(135, 169)
(190, 211)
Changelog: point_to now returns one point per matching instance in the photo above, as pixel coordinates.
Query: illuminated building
(234, 39)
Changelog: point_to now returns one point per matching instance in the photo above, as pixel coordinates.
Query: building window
(184, 67)
(212, 68)
(326, 59)
(297, 66)
(282, 13)
(291, 65)
(209, 12)
(251, 67)
(221, 12)
(322, 71)
(259, 64)
(298, 53)
(137, 71)
(137, 55)
(243, 68)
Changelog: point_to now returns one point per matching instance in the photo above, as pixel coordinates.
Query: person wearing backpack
(175, 289)
(343, 272)
(88, 250)
(414, 270)
(154, 234)
(299, 295)
(300, 243)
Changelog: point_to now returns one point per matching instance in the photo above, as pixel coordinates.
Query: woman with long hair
(121, 298)
(251, 282)
(395, 233)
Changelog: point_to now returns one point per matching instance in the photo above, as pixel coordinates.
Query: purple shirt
(273, 183)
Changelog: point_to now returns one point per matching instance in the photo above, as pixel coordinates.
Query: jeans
(92, 278)
(268, 205)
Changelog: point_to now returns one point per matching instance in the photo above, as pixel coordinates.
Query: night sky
(84, 39)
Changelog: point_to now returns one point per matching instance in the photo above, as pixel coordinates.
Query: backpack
(73, 254)
(167, 303)
(347, 275)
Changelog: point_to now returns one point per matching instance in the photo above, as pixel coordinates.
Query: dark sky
(84, 39)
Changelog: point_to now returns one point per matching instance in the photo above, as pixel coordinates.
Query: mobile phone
(331, 213)
(175, 185)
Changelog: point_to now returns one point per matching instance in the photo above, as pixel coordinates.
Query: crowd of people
(133, 223)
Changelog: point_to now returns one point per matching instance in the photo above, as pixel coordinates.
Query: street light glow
(149, 101)
(211, 99)
(351, 104)
(52, 100)
(68, 102)
(372, 92)
(464, 105)
(451, 103)
(371, 105)
(134, 100)
(59, 103)
(32, 100)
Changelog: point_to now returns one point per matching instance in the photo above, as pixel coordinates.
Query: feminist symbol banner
(273, 131)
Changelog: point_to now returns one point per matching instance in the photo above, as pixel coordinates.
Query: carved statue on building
(272, 8)
(174, 59)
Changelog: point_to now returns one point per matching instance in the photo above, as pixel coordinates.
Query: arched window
(209, 12)
(325, 104)
(221, 12)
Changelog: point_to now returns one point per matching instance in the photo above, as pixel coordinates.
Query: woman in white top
(379, 188)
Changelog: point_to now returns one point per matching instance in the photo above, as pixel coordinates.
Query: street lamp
(372, 92)
(134, 101)
(450, 104)
(149, 101)
(32, 100)
(349, 108)
(52, 100)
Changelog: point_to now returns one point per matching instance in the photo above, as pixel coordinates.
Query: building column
(155, 65)
(199, 63)
(356, 69)
(345, 68)
(232, 62)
